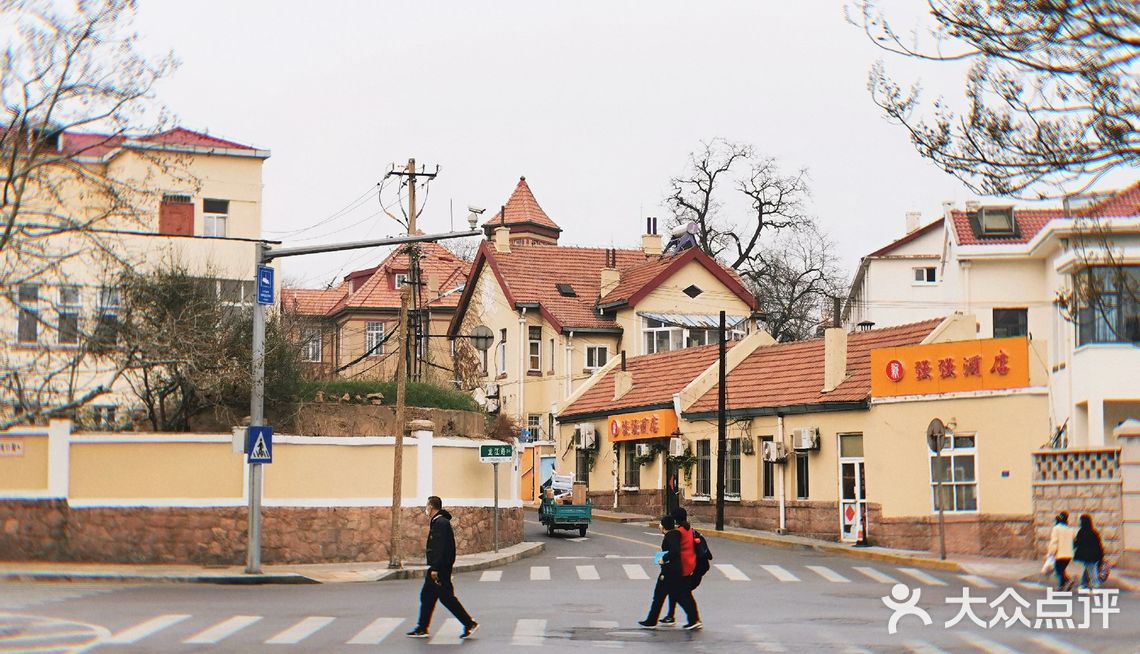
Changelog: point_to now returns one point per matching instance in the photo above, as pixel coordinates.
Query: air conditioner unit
(491, 389)
(775, 452)
(676, 447)
(492, 406)
(585, 437)
(641, 449)
(806, 438)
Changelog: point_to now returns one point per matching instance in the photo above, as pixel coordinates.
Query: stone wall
(648, 502)
(51, 530)
(1079, 481)
(801, 517)
(1007, 536)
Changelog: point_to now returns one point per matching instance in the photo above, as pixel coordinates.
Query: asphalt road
(579, 594)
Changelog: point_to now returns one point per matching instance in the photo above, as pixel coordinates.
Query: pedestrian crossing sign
(259, 445)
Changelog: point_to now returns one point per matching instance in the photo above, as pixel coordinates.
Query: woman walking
(1088, 550)
(671, 581)
(1061, 548)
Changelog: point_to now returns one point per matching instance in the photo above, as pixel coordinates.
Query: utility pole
(412, 176)
(721, 428)
(398, 454)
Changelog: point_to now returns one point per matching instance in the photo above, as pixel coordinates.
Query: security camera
(476, 210)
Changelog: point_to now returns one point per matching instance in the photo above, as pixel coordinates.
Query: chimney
(503, 240)
(972, 206)
(947, 207)
(651, 241)
(913, 221)
(432, 287)
(834, 358)
(623, 380)
(610, 277)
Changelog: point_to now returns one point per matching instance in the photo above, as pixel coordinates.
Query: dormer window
(996, 221)
(399, 280)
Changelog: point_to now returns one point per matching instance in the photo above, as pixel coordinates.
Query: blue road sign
(259, 445)
(264, 285)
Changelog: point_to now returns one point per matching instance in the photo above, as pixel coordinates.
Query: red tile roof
(97, 145)
(656, 377)
(916, 234)
(636, 282)
(183, 136)
(791, 374)
(522, 208)
(312, 301)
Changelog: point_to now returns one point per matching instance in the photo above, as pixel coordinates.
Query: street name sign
(496, 453)
(259, 446)
(264, 285)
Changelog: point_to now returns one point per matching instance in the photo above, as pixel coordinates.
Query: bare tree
(65, 70)
(795, 278)
(1052, 91)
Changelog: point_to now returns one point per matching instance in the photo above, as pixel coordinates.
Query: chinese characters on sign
(1058, 610)
(643, 424)
(959, 366)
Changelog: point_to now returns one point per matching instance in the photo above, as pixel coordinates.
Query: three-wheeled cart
(565, 516)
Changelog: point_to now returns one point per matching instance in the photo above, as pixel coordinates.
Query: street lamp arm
(271, 254)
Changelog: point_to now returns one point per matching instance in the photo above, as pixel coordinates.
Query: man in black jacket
(437, 582)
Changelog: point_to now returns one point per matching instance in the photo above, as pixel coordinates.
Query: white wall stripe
(876, 575)
(975, 580)
(922, 576)
(780, 573)
(492, 575)
(828, 574)
(634, 571)
(376, 631)
(144, 629)
(587, 573)
(731, 572)
(539, 573)
(529, 633)
(448, 634)
(302, 502)
(301, 630)
(222, 630)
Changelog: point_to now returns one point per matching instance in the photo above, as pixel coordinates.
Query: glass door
(852, 488)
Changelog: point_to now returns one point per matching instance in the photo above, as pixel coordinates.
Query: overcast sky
(596, 103)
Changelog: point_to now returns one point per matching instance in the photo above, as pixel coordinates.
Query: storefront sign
(643, 424)
(988, 364)
(12, 448)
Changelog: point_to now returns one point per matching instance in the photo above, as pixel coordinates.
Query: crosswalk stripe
(876, 575)
(1054, 644)
(922, 576)
(539, 573)
(920, 647)
(828, 574)
(492, 575)
(223, 629)
(144, 629)
(448, 634)
(50, 635)
(301, 630)
(634, 571)
(375, 632)
(780, 573)
(975, 580)
(587, 573)
(731, 572)
(986, 645)
(529, 633)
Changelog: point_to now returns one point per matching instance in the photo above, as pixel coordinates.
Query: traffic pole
(256, 419)
(495, 467)
(721, 428)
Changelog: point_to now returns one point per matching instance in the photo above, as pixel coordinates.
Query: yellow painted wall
(155, 470)
(459, 474)
(330, 471)
(28, 472)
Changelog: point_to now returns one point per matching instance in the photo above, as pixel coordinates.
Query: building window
(534, 349)
(1109, 305)
(632, 468)
(236, 293)
(1011, 322)
(553, 357)
(732, 468)
(534, 426)
(374, 338)
(660, 337)
(802, 475)
(502, 351)
(103, 416)
(28, 330)
(215, 213)
(311, 344)
(399, 280)
(704, 468)
(483, 359)
(69, 305)
(596, 356)
(582, 465)
(926, 275)
(769, 471)
(957, 473)
(996, 221)
(107, 325)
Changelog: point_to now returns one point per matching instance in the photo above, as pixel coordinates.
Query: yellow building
(827, 437)
(174, 198)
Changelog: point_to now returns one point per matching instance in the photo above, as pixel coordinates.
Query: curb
(530, 549)
(842, 550)
(618, 519)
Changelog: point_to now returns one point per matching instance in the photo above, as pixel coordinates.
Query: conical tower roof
(523, 213)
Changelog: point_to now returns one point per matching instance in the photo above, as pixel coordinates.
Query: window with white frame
(28, 329)
(107, 323)
(732, 468)
(311, 344)
(632, 478)
(399, 279)
(69, 307)
(957, 470)
(215, 215)
(769, 470)
(502, 352)
(582, 465)
(596, 356)
(534, 349)
(704, 468)
(664, 337)
(534, 426)
(925, 275)
(374, 338)
(1108, 300)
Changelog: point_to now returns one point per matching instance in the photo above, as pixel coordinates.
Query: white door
(852, 487)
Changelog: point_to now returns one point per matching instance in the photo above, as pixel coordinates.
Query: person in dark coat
(671, 581)
(1088, 551)
(702, 557)
(437, 581)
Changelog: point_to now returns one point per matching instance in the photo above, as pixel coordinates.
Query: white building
(1021, 272)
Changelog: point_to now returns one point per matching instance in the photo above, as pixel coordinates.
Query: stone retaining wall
(1103, 501)
(1007, 536)
(51, 530)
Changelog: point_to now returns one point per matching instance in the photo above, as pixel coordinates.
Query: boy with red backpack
(699, 546)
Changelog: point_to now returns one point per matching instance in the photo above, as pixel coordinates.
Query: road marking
(144, 629)
(828, 574)
(539, 573)
(223, 629)
(375, 632)
(448, 634)
(301, 630)
(580, 539)
(619, 556)
(731, 572)
(603, 624)
(605, 644)
(975, 580)
(634, 571)
(51, 635)
(921, 647)
(759, 639)
(922, 576)
(492, 575)
(986, 645)
(651, 533)
(876, 575)
(529, 633)
(587, 573)
(1054, 644)
(780, 573)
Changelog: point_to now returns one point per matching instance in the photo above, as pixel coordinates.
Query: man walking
(437, 582)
